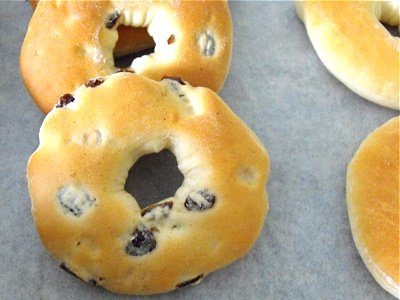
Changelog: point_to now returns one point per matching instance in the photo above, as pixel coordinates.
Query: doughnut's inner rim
(385, 17)
(124, 62)
(146, 23)
(394, 30)
(145, 165)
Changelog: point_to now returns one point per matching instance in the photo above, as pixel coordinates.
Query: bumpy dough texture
(373, 203)
(193, 41)
(89, 222)
(130, 39)
(355, 47)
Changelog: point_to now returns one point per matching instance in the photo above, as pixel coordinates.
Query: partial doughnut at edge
(373, 189)
(355, 47)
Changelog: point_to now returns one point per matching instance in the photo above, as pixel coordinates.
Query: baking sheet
(311, 125)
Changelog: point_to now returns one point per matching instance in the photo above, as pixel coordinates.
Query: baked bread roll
(98, 231)
(373, 203)
(355, 47)
(193, 41)
(130, 39)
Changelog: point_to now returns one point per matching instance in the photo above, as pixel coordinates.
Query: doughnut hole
(132, 30)
(154, 177)
(125, 61)
(139, 35)
(393, 30)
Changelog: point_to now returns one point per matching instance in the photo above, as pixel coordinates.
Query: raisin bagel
(355, 47)
(193, 41)
(373, 203)
(86, 219)
(130, 39)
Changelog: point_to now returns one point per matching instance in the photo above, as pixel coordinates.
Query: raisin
(75, 200)
(200, 200)
(64, 100)
(207, 44)
(190, 281)
(178, 79)
(94, 82)
(112, 20)
(162, 205)
(171, 39)
(142, 242)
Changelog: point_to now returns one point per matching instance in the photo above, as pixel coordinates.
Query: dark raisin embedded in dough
(66, 269)
(64, 100)
(94, 82)
(178, 79)
(171, 39)
(112, 20)
(149, 208)
(200, 200)
(190, 281)
(75, 200)
(142, 242)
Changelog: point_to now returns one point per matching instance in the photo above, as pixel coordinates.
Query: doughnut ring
(373, 204)
(130, 39)
(97, 230)
(355, 47)
(193, 41)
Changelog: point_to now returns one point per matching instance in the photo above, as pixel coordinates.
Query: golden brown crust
(193, 41)
(88, 147)
(130, 39)
(373, 203)
(355, 46)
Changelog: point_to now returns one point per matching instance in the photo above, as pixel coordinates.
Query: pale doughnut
(193, 41)
(86, 219)
(130, 39)
(355, 47)
(373, 203)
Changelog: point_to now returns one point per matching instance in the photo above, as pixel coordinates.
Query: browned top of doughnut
(193, 41)
(91, 143)
(373, 188)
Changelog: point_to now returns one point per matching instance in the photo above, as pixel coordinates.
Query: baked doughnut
(355, 47)
(86, 219)
(130, 39)
(193, 41)
(373, 203)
